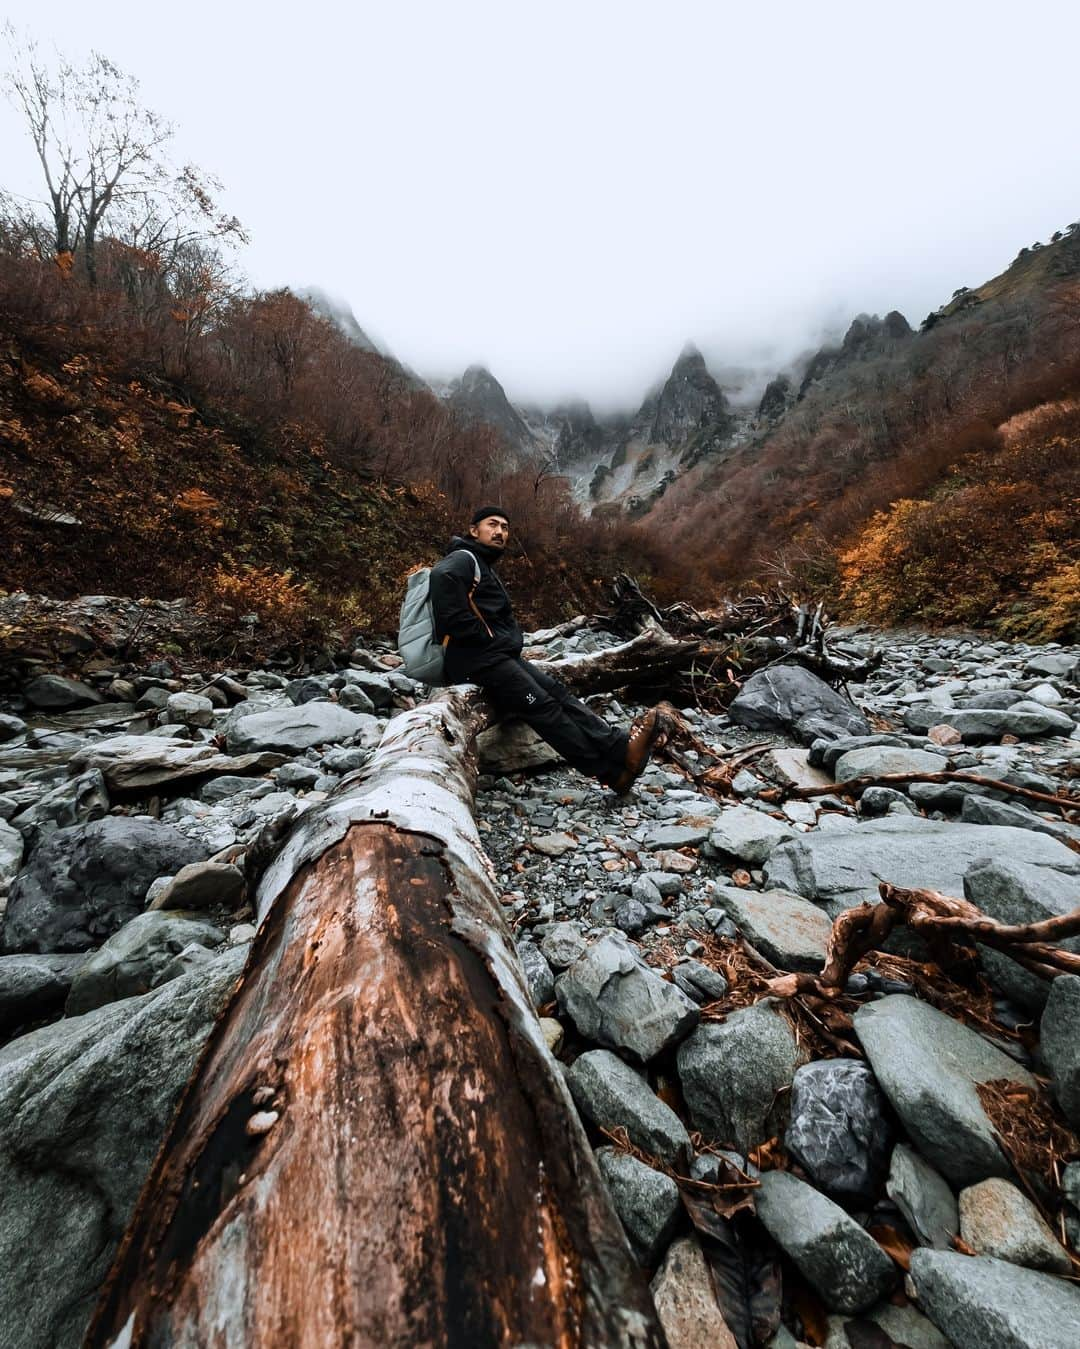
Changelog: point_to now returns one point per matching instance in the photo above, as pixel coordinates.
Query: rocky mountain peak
(479, 397)
(689, 400)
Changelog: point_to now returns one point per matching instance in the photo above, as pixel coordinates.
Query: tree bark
(377, 1148)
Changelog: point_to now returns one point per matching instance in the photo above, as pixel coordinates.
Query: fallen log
(377, 1148)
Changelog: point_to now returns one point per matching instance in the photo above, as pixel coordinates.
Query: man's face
(492, 530)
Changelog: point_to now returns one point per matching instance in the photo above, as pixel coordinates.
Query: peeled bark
(378, 1148)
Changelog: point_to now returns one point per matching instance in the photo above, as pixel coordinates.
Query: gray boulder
(1057, 664)
(538, 975)
(290, 730)
(732, 1074)
(647, 1202)
(983, 1303)
(612, 1095)
(189, 709)
(842, 869)
(924, 1198)
(378, 687)
(839, 1132)
(685, 1300)
(84, 1105)
(11, 855)
(1027, 721)
(136, 959)
(11, 727)
(996, 1219)
(615, 999)
(75, 801)
(1060, 1043)
(842, 1261)
(790, 698)
(873, 762)
(82, 884)
(202, 885)
(788, 930)
(748, 834)
(1019, 892)
(53, 693)
(32, 987)
(928, 1066)
(983, 810)
(562, 945)
(513, 747)
(137, 762)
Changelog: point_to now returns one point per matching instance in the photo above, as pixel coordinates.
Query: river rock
(202, 885)
(647, 1202)
(135, 762)
(84, 1104)
(82, 884)
(52, 691)
(839, 1132)
(1027, 721)
(996, 1219)
(1060, 1043)
(291, 730)
(842, 869)
(787, 929)
(32, 987)
(924, 1198)
(134, 959)
(513, 747)
(748, 834)
(983, 810)
(11, 727)
(75, 801)
(615, 999)
(790, 698)
(612, 1095)
(733, 1072)
(874, 761)
(11, 855)
(538, 975)
(928, 1064)
(983, 1303)
(843, 1262)
(189, 709)
(686, 1300)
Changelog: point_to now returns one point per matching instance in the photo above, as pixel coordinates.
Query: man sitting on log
(482, 640)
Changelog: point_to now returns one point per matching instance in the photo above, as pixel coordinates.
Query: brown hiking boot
(644, 733)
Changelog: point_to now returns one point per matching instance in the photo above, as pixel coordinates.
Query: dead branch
(856, 786)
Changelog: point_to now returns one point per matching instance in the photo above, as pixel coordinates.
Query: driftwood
(377, 1148)
(858, 931)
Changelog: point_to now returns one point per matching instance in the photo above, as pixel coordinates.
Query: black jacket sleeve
(449, 586)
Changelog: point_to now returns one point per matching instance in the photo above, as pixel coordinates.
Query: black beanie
(485, 511)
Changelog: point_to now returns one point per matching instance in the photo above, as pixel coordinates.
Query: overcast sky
(566, 192)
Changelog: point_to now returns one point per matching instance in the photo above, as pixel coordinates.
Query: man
(475, 622)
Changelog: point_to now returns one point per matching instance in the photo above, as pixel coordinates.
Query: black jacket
(476, 634)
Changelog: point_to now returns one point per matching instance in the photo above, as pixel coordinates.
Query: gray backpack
(421, 653)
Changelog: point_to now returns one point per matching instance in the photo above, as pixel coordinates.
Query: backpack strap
(472, 591)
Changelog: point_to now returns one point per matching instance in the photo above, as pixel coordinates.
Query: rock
(878, 801)
(1045, 694)
(905, 1327)
(983, 1303)
(32, 987)
(824, 753)
(378, 687)
(132, 960)
(842, 1261)
(927, 1064)
(616, 1000)
(647, 1202)
(983, 810)
(513, 747)
(732, 1072)
(875, 761)
(612, 1095)
(301, 691)
(189, 709)
(1017, 892)
(133, 762)
(698, 981)
(202, 885)
(791, 767)
(554, 845)
(50, 691)
(563, 945)
(552, 1032)
(839, 1132)
(538, 975)
(296, 775)
(789, 698)
(1056, 664)
(11, 727)
(1060, 1043)
(82, 884)
(11, 855)
(944, 735)
(842, 869)
(291, 730)
(923, 1197)
(675, 836)
(355, 699)
(84, 1104)
(996, 1219)
(1070, 1193)
(1027, 721)
(221, 789)
(788, 930)
(76, 801)
(686, 1300)
(748, 834)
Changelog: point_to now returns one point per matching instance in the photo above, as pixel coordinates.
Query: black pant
(519, 689)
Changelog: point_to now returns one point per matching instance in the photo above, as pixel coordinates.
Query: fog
(567, 193)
